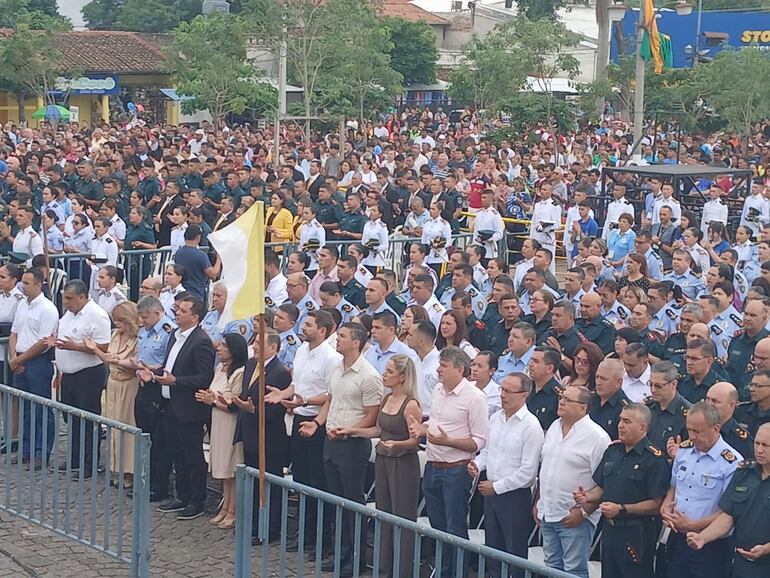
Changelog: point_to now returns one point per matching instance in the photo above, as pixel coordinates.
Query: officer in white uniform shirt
(84, 374)
(666, 200)
(311, 238)
(117, 228)
(462, 280)
(435, 229)
(330, 295)
(714, 210)
(756, 209)
(422, 295)
(616, 208)
(275, 292)
(10, 300)
(297, 286)
(488, 225)
(27, 240)
(102, 243)
(546, 219)
(375, 238)
(107, 296)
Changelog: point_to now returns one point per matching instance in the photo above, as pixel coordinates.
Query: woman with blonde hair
(396, 467)
(122, 386)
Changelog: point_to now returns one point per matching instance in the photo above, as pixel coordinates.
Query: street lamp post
(617, 10)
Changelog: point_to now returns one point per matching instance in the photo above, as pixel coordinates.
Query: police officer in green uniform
(328, 213)
(544, 399)
(475, 329)
(139, 235)
(542, 326)
(352, 221)
(744, 506)
(510, 315)
(667, 407)
(563, 336)
(395, 301)
(631, 482)
(742, 346)
(88, 186)
(674, 348)
(700, 374)
(756, 412)
(593, 326)
(609, 399)
(352, 290)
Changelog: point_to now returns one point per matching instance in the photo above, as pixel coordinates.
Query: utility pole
(281, 111)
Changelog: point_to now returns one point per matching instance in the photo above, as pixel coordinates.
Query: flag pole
(261, 369)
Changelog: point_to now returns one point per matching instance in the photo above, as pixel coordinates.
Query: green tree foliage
(140, 15)
(495, 69)
(102, 14)
(536, 9)
(735, 85)
(29, 64)
(723, 4)
(207, 61)
(36, 14)
(414, 52)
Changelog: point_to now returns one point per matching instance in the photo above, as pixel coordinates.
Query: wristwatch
(304, 401)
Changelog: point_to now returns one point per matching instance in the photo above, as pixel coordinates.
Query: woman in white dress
(224, 456)
(452, 331)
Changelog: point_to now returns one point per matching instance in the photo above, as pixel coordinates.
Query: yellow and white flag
(241, 246)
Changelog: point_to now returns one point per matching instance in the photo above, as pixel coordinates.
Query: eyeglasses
(661, 385)
(512, 391)
(758, 385)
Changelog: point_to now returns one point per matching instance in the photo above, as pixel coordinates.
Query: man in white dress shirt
(422, 339)
(488, 225)
(511, 459)
(275, 293)
(30, 361)
(616, 208)
(573, 448)
(483, 367)
(313, 364)
(636, 378)
(83, 373)
(422, 295)
(107, 296)
(27, 241)
(546, 220)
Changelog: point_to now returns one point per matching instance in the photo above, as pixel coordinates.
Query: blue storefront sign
(743, 29)
(88, 85)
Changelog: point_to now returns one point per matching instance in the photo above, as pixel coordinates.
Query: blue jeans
(36, 379)
(568, 549)
(447, 493)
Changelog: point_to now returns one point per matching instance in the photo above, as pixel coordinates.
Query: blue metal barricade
(277, 561)
(39, 482)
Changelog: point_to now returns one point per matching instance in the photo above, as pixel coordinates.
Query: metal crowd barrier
(77, 503)
(274, 560)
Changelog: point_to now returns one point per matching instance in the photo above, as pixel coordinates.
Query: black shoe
(256, 541)
(191, 512)
(9, 447)
(172, 505)
(156, 497)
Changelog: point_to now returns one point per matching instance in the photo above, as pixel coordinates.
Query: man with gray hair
(456, 430)
(636, 379)
(151, 343)
(573, 449)
(609, 399)
(702, 470)
(631, 482)
(668, 407)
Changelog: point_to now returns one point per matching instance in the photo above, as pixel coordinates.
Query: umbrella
(52, 112)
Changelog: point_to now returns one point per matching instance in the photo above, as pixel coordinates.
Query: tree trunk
(603, 53)
(21, 100)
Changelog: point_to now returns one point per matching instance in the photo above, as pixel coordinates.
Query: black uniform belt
(628, 521)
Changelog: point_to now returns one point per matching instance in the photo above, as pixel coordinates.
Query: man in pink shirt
(327, 270)
(456, 431)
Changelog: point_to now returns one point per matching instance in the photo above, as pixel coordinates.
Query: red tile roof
(106, 51)
(408, 11)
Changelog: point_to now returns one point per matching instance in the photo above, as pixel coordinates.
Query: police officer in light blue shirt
(643, 244)
(283, 322)
(297, 287)
(151, 342)
(664, 322)
(702, 469)
(330, 295)
(462, 280)
(692, 284)
(210, 323)
(521, 345)
(386, 345)
(728, 321)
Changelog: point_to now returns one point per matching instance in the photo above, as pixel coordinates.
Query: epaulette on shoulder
(606, 322)
(168, 328)
(697, 275)
(736, 319)
(741, 432)
(649, 400)
(738, 333)
(670, 313)
(347, 307)
(728, 455)
(746, 464)
(685, 444)
(108, 240)
(437, 307)
(654, 451)
(291, 340)
(479, 324)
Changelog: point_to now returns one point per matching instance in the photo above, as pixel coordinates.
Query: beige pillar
(106, 108)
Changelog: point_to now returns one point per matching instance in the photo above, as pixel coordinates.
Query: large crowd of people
(415, 307)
